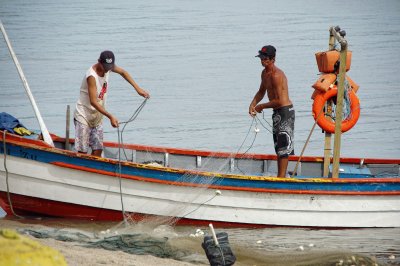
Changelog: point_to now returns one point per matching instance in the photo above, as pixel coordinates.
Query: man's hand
(252, 111)
(143, 93)
(258, 108)
(114, 121)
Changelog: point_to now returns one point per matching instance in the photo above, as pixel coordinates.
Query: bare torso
(274, 83)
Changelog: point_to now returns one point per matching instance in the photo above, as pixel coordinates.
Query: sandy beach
(75, 254)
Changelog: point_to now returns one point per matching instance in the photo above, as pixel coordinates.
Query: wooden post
(67, 146)
(339, 104)
(328, 110)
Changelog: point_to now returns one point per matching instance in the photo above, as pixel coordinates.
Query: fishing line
(255, 119)
(217, 193)
(131, 119)
(261, 123)
(248, 132)
(120, 143)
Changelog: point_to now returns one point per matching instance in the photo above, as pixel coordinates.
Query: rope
(183, 216)
(131, 119)
(120, 144)
(222, 255)
(251, 145)
(346, 103)
(255, 119)
(237, 152)
(6, 170)
(248, 132)
(263, 124)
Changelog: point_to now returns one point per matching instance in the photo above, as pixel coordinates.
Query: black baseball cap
(267, 51)
(107, 59)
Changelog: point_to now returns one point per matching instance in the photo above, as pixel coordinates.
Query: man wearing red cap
(90, 107)
(274, 83)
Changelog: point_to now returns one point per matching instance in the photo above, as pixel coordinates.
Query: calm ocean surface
(196, 58)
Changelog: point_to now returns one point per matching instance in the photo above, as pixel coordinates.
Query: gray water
(196, 58)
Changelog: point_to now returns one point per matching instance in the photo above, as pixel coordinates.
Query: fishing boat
(47, 177)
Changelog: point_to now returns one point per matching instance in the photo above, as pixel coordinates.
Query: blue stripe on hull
(302, 185)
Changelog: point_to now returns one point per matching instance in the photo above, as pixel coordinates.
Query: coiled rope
(346, 104)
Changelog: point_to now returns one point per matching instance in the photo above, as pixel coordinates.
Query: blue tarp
(8, 122)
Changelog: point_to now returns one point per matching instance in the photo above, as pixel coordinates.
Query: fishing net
(201, 172)
(129, 241)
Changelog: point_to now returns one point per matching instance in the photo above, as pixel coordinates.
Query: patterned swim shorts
(283, 130)
(86, 137)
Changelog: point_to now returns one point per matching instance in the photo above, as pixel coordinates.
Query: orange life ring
(327, 124)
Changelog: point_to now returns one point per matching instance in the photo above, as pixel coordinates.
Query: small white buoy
(311, 245)
(392, 257)
(199, 232)
(259, 242)
(256, 129)
(218, 192)
(301, 248)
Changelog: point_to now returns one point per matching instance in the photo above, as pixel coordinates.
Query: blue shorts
(86, 137)
(283, 130)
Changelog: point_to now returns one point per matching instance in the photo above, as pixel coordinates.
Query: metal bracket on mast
(45, 133)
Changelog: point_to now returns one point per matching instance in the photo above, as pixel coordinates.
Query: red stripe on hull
(23, 205)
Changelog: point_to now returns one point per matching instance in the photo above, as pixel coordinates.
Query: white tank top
(85, 113)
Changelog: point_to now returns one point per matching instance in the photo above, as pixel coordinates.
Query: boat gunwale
(40, 145)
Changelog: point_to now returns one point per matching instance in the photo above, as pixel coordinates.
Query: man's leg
(96, 140)
(282, 166)
(82, 133)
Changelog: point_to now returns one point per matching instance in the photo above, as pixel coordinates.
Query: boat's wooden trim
(41, 144)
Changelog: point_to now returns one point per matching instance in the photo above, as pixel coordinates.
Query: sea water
(196, 59)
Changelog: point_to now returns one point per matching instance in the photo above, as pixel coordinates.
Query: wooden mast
(328, 108)
(339, 36)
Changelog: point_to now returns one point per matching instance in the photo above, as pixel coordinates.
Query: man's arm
(93, 101)
(257, 98)
(129, 79)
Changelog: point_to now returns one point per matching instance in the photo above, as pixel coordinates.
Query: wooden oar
(43, 128)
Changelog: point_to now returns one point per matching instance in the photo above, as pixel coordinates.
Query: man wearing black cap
(90, 107)
(274, 83)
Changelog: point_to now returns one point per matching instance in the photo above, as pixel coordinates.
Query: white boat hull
(49, 182)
